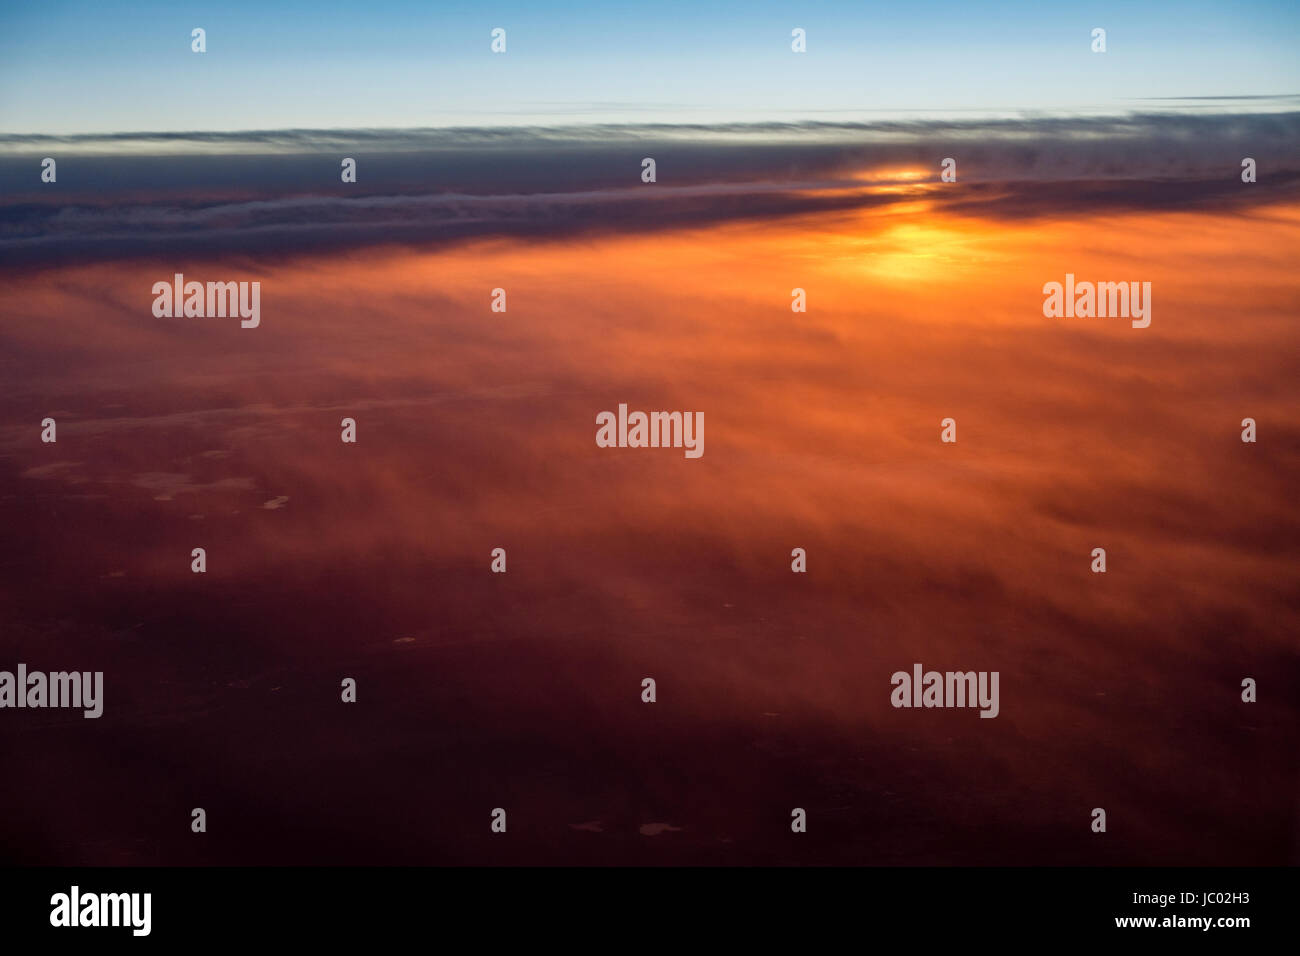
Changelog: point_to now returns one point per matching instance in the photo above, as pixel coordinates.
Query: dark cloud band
(279, 192)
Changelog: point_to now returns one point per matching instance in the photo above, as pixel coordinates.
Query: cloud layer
(278, 193)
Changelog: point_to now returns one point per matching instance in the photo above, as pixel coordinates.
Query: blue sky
(95, 67)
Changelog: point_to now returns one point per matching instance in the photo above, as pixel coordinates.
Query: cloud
(279, 192)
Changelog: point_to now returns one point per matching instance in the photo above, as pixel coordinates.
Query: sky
(69, 68)
(777, 174)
